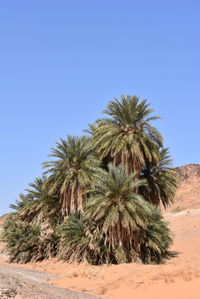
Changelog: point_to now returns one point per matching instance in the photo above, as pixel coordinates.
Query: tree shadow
(172, 254)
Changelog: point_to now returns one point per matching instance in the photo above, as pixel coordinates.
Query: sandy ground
(179, 277)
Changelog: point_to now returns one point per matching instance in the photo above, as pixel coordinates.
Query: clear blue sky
(61, 61)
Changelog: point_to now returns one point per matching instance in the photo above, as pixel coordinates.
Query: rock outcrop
(188, 192)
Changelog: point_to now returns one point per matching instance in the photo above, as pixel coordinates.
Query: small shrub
(177, 209)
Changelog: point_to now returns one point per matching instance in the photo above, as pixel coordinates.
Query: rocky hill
(188, 171)
(188, 192)
(3, 218)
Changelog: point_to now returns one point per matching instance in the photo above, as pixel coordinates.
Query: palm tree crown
(127, 137)
(117, 210)
(37, 204)
(71, 172)
(161, 179)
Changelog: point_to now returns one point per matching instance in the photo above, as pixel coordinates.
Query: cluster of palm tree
(99, 198)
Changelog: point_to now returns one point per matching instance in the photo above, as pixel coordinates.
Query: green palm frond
(71, 172)
(37, 205)
(78, 244)
(117, 210)
(156, 239)
(161, 179)
(127, 137)
(25, 243)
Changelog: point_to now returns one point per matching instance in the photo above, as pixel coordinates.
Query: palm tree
(71, 172)
(119, 213)
(161, 179)
(22, 239)
(37, 205)
(77, 243)
(25, 242)
(127, 137)
(155, 240)
(74, 242)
